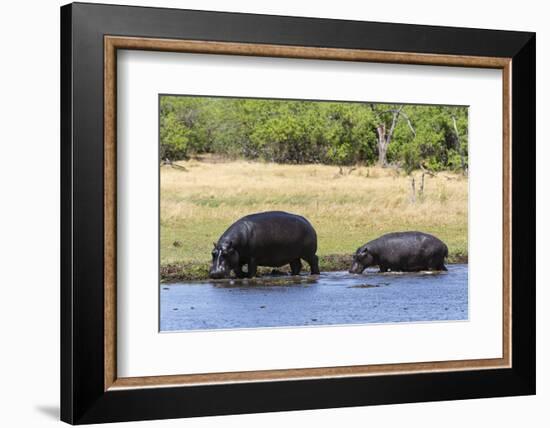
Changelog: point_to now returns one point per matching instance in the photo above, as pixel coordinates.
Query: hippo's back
(277, 217)
(410, 249)
(276, 237)
(412, 239)
(275, 226)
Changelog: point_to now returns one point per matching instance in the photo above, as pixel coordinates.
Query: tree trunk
(458, 148)
(385, 136)
(382, 145)
(413, 191)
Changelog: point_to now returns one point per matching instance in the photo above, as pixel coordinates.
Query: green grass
(347, 210)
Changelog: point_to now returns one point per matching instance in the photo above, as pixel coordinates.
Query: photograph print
(296, 213)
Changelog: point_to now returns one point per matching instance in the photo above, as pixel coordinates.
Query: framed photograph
(266, 213)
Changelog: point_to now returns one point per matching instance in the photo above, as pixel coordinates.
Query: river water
(328, 299)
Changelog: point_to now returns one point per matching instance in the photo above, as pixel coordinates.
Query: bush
(334, 133)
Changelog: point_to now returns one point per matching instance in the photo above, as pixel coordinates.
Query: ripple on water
(331, 298)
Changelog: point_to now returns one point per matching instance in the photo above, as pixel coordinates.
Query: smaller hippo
(401, 251)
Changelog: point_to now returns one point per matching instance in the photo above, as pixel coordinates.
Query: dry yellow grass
(347, 210)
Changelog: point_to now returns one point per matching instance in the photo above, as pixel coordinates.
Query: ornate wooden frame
(91, 390)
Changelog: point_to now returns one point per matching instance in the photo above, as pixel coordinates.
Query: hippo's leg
(383, 268)
(295, 266)
(437, 264)
(239, 271)
(313, 262)
(252, 268)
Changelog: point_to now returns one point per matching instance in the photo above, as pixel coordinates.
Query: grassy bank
(346, 207)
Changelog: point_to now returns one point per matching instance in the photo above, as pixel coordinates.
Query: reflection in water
(326, 299)
(263, 281)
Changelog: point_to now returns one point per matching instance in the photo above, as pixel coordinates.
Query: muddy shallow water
(328, 299)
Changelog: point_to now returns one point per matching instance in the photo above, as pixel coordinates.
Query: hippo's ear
(214, 244)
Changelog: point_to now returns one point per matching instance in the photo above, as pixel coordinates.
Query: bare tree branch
(459, 149)
(426, 171)
(168, 162)
(395, 117)
(384, 135)
(409, 123)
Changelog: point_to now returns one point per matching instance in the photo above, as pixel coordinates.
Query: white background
(29, 226)
(142, 351)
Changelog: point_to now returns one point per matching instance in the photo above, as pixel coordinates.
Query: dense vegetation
(334, 133)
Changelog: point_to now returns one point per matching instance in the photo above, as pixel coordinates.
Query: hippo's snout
(356, 268)
(217, 274)
(219, 271)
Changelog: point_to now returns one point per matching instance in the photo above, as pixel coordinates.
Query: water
(328, 299)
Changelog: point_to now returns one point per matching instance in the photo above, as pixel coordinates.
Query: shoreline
(198, 271)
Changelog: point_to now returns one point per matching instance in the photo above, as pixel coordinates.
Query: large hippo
(272, 238)
(401, 251)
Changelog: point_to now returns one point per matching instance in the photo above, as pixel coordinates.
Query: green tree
(339, 133)
(173, 138)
